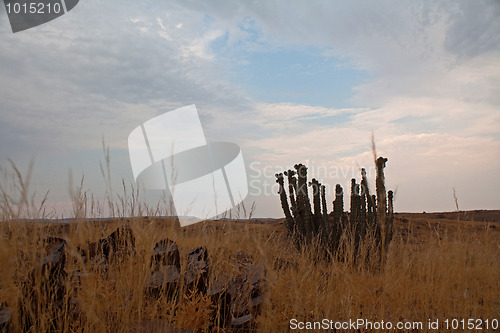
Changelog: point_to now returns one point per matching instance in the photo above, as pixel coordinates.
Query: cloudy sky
(289, 81)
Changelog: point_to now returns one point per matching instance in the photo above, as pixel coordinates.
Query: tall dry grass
(441, 276)
(436, 274)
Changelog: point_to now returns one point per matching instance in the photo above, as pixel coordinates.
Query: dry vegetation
(439, 266)
(433, 271)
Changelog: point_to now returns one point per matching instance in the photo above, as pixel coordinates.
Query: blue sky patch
(286, 73)
(292, 75)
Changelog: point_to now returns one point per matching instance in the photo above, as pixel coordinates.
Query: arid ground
(440, 266)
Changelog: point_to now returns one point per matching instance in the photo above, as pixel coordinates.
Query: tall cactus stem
(382, 206)
(284, 204)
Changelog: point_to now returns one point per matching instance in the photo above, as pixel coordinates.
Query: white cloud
(432, 94)
(199, 47)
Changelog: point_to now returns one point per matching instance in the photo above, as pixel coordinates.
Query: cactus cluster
(370, 217)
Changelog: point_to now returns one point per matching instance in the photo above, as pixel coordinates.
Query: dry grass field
(439, 267)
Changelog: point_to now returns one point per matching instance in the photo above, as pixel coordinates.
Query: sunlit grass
(433, 271)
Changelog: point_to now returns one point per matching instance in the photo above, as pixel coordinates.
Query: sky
(288, 81)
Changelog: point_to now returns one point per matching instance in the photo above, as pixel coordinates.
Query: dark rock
(5, 319)
(101, 247)
(255, 277)
(44, 290)
(122, 240)
(221, 299)
(165, 253)
(119, 243)
(196, 276)
(52, 243)
(249, 290)
(256, 303)
(198, 254)
(241, 260)
(242, 324)
(165, 278)
(164, 281)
